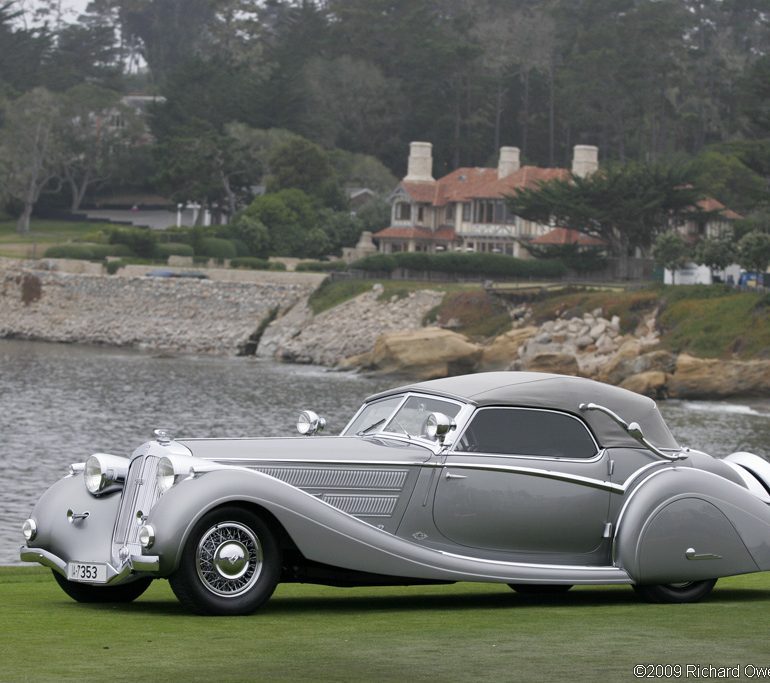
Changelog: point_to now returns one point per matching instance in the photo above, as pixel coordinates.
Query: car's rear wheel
(685, 591)
(86, 592)
(540, 588)
(230, 564)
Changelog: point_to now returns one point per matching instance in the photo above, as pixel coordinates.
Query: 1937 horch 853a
(533, 480)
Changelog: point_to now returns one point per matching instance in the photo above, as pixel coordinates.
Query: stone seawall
(196, 316)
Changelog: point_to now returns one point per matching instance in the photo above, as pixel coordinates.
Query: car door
(524, 480)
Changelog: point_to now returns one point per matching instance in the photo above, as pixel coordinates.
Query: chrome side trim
(546, 474)
(612, 574)
(253, 464)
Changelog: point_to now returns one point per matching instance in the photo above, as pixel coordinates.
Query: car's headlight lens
(146, 536)
(104, 472)
(29, 529)
(166, 475)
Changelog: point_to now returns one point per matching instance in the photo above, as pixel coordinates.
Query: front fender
(85, 540)
(686, 524)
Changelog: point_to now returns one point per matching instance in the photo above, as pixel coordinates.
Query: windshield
(400, 415)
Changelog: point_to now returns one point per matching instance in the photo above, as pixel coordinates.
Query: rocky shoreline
(368, 333)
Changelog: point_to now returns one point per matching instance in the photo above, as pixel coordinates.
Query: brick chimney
(585, 160)
(509, 161)
(420, 165)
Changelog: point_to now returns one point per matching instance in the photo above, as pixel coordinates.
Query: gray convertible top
(558, 392)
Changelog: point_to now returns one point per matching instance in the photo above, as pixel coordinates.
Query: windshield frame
(464, 409)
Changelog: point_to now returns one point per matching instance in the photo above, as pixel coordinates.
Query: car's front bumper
(134, 564)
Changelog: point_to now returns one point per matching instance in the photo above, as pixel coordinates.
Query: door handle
(449, 475)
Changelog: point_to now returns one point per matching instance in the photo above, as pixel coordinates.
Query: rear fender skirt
(683, 524)
(325, 534)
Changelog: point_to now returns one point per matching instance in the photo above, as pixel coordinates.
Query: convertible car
(533, 480)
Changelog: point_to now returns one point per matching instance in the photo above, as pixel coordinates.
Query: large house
(466, 209)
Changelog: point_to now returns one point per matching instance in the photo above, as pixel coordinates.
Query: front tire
(230, 564)
(86, 592)
(687, 591)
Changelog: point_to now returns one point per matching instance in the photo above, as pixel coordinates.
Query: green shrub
(167, 249)
(256, 263)
(489, 265)
(321, 266)
(141, 241)
(113, 267)
(378, 262)
(216, 247)
(87, 252)
(250, 262)
(241, 248)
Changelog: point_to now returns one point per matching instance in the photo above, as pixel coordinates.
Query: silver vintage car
(533, 480)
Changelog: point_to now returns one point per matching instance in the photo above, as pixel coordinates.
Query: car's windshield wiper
(370, 427)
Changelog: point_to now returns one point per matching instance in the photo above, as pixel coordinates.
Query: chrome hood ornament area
(506, 477)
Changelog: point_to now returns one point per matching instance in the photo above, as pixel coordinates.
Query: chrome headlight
(29, 529)
(308, 423)
(104, 473)
(166, 475)
(146, 536)
(437, 426)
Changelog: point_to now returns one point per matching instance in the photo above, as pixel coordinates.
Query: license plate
(89, 572)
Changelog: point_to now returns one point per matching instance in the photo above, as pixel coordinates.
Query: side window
(521, 431)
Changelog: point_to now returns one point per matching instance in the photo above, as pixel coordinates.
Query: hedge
(254, 263)
(216, 247)
(321, 266)
(459, 263)
(87, 252)
(173, 249)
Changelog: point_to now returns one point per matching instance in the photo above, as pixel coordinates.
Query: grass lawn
(42, 234)
(463, 632)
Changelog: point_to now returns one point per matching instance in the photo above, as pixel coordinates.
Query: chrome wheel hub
(229, 559)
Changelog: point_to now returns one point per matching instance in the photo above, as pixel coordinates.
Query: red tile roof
(465, 184)
(711, 204)
(443, 234)
(567, 236)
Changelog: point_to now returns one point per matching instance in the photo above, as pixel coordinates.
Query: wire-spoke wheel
(684, 591)
(230, 564)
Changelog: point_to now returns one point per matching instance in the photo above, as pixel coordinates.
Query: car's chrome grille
(339, 477)
(140, 493)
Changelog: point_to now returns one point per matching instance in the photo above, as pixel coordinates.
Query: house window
(466, 211)
(485, 211)
(449, 213)
(420, 214)
(403, 211)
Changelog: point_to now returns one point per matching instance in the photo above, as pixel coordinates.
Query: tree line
(350, 82)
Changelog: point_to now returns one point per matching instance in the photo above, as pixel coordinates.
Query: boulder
(504, 349)
(558, 363)
(427, 353)
(652, 383)
(631, 360)
(710, 378)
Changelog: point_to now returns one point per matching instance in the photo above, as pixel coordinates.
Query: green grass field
(462, 632)
(42, 234)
